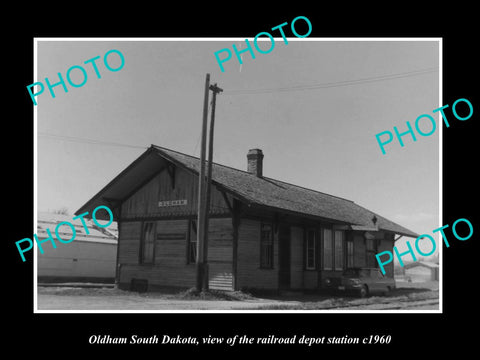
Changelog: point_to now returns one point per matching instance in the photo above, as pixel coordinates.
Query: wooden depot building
(263, 233)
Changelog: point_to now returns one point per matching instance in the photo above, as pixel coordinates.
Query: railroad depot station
(263, 233)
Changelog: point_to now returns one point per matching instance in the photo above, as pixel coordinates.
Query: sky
(313, 106)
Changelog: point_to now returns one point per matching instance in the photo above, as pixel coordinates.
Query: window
(148, 243)
(192, 243)
(339, 235)
(266, 246)
(327, 249)
(310, 253)
(349, 254)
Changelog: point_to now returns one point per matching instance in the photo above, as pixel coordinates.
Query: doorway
(284, 257)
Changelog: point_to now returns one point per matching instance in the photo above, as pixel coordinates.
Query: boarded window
(339, 236)
(147, 243)
(327, 249)
(310, 253)
(266, 246)
(350, 254)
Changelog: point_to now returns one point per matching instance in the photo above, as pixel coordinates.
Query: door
(284, 256)
(296, 257)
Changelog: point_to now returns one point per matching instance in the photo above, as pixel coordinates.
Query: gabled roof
(253, 190)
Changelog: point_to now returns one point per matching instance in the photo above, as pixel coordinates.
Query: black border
(413, 334)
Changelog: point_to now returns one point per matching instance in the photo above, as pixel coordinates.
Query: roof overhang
(140, 171)
(363, 228)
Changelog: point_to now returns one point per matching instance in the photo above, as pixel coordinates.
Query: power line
(87, 141)
(316, 86)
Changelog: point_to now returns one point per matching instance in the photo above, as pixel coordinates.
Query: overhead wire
(325, 85)
(87, 141)
(303, 87)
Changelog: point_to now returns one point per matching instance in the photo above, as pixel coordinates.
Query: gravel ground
(423, 296)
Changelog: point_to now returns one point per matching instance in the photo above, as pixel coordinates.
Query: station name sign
(168, 203)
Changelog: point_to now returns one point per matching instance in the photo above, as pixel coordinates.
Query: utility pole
(200, 264)
(215, 89)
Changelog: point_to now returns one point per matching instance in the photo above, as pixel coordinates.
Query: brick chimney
(255, 162)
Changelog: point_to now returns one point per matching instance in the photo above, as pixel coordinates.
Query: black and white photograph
(298, 201)
(240, 186)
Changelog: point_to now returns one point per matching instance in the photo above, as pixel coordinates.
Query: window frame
(328, 259)
(335, 248)
(142, 258)
(307, 249)
(350, 254)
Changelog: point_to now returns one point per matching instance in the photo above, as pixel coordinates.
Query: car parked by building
(361, 281)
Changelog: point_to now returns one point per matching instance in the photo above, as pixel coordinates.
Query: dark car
(361, 281)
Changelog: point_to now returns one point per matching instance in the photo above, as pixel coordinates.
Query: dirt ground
(407, 296)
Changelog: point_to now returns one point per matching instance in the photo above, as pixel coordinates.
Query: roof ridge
(197, 158)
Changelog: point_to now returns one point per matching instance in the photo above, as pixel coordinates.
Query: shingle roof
(272, 193)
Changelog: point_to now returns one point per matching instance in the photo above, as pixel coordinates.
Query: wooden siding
(129, 242)
(297, 254)
(359, 248)
(164, 275)
(249, 273)
(170, 266)
(144, 202)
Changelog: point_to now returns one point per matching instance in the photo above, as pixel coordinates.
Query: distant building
(421, 271)
(88, 258)
(263, 233)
